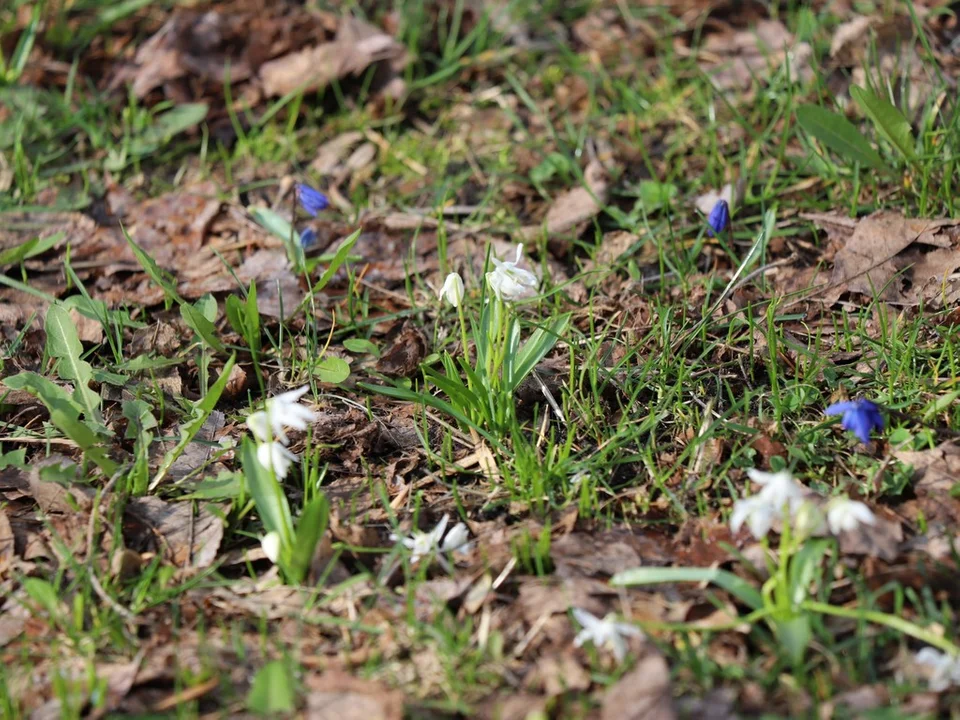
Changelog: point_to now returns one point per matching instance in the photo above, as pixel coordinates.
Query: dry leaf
(185, 539)
(935, 471)
(334, 695)
(742, 56)
(850, 40)
(575, 206)
(7, 554)
(403, 357)
(641, 694)
(882, 539)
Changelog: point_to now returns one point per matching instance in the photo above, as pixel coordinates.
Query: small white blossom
(604, 633)
(280, 412)
(757, 512)
(509, 282)
(944, 669)
(452, 290)
(275, 456)
(422, 544)
(846, 514)
(779, 489)
(271, 546)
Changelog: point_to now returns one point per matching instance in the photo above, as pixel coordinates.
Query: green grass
(667, 394)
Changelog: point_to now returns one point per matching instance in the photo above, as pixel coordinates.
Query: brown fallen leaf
(575, 206)
(935, 471)
(187, 540)
(335, 695)
(882, 539)
(890, 255)
(403, 357)
(850, 41)
(357, 46)
(734, 59)
(641, 694)
(7, 554)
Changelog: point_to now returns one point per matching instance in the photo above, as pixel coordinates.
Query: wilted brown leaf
(575, 206)
(882, 539)
(7, 555)
(403, 357)
(185, 539)
(935, 471)
(641, 694)
(734, 59)
(334, 695)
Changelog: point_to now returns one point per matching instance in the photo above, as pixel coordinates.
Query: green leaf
(271, 503)
(197, 321)
(64, 344)
(148, 362)
(166, 125)
(24, 251)
(339, 258)
(14, 458)
(44, 594)
(655, 195)
(274, 223)
(840, 135)
(252, 319)
(189, 430)
(150, 267)
(331, 370)
(535, 348)
(736, 586)
(361, 345)
(273, 690)
(888, 120)
(21, 54)
(225, 486)
(310, 528)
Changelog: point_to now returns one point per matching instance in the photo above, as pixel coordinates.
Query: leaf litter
(512, 597)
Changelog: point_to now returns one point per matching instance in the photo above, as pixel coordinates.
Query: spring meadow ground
(464, 358)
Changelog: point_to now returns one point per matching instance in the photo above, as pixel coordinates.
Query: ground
(253, 462)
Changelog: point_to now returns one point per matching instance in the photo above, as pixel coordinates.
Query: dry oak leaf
(641, 694)
(185, 539)
(884, 255)
(575, 206)
(935, 471)
(335, 695)
(357, 46)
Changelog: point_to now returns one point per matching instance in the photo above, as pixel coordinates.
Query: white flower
(452, 290)
(758, 512)
(846, 514)
(281, 411)
(271, 546)
(421, 544)
(779, 489)
(275, 456)
(604, 633)
(945, 669)
(509, 282)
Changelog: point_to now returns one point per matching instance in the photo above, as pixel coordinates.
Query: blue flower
(308, 238)
(719, 218)
(859, 416)
(311, 200)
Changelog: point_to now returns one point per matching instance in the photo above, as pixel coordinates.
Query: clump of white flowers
(606, 633)
(510, 282)
(425, 544)
(781, 498)
(269, 427)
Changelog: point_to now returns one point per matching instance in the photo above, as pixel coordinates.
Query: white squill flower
(944, 668)
(757, 512)
(511, 283)
(604, 633)
(271, 546)
(280, 412)
(779, 492)
(422, 544)
(846, 514)
(452, 290)
(779, 488)
(275, 456)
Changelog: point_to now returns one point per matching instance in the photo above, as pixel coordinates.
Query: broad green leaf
(198, 322)
(201, 411)
(225, 486)
(274, 223)
(361, 345)
(139, 417)
(536, 347)
(273, 690)
(736, 586)
(64, 415)
(940, 405)
(148, 362)
(14, 458)
(166, 125)
(655, 195)
(150, 267)
(207, 305)
(310, 528)
(236, 311)
(339, 258)
(804, 567)
(63, 343)
(21, 54)
(840, 135)
(331, 370)
(29, 249)
(268, 496)
(888, 120)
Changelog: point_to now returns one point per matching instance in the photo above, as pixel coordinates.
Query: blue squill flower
(719, 218)
(308, 238)
(311, 200)
(859, 416)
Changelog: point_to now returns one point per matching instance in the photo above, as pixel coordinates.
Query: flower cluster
(508, 281)
(426, 544)
(269, 426)
(782, 497)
